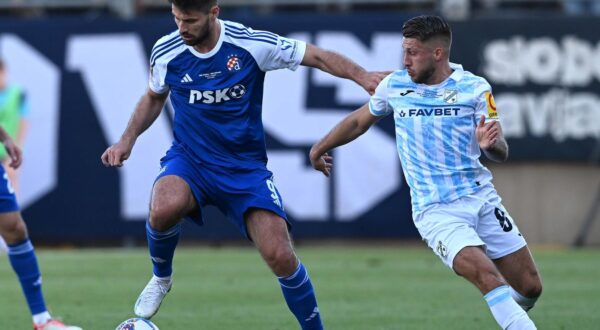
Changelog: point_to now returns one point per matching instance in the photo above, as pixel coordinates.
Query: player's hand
(14, 152)
(370, 80)
(322, 163)
(487, 134)
(116, 154)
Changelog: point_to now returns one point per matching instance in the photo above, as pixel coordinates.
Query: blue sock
(300, 297)
(23, 260)
(162, 248)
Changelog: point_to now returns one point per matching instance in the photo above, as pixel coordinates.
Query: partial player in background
(214, 72)
(444, 116)
(20, 250)
(13, 110)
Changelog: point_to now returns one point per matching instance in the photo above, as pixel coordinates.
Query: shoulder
(167, 46)
(242, 35)
(475, 83)
(399, 78)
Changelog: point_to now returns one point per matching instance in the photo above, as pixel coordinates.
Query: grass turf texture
(357, 288)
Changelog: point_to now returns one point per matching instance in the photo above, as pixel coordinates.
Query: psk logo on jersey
(233, 63)
(237, 91)
(402, 113)
(186, 79)
(450, 96)
(217, 96)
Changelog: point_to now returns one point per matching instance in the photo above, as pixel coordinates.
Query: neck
(210, 42)
(440, 74)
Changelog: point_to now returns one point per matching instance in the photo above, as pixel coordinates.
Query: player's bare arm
(491, 140)
(146, 112)
(343, 67)
(13, 151)
(350, 128)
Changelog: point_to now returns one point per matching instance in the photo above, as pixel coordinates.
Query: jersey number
(503, 219)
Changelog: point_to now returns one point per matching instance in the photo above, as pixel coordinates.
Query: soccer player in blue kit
(20, 250)
(214, 71)
(443, 117)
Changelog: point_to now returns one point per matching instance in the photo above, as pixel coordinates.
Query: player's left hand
(487, 134)
(322, 163)
(370, 80)
(14, 152)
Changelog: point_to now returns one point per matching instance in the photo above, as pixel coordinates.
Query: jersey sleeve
(484, 102)
(287, 54)
(378, 104)
(156, 82)
(158, 67)
(271, 51)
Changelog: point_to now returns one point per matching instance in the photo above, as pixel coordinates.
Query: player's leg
(474, 265)
(508, 249)
(24, 262)
(270, 234)
(519, 269)
(171, 200)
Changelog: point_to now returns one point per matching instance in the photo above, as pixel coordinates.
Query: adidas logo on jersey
(186, 79)
(217, 96)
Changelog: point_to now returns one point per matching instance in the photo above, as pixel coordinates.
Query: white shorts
(473, 220)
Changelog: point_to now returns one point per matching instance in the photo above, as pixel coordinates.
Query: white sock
(506, 311)
(526, 303)
(41, 318)
(162, 279)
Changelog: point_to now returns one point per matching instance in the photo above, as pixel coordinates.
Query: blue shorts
(233, 191)
(8, 200)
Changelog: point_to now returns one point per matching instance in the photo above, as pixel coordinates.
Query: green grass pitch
(358, 287)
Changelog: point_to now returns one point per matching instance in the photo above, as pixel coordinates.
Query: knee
(488, 279)
(15, 231)
(281, 261)
(533, 289)
(163, 216)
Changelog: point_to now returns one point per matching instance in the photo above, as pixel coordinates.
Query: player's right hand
(322, 163)
(116, 154)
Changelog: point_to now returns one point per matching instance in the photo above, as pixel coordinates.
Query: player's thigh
(521, 272)
(12, 227)
(447, 229)
(270, 234)
(499, 231)
(171, 200)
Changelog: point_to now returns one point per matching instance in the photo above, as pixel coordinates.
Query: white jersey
(435, 133)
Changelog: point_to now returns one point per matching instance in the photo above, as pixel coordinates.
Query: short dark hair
(427, 27)
(202, 5)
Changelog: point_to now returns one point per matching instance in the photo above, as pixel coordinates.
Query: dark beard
(201, 38)
(424, 77)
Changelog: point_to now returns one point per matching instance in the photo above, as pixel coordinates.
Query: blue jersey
(217, 96)
(435, 133)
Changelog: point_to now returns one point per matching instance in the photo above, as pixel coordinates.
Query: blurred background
(84, 64)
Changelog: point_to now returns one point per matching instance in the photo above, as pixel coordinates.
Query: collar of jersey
(458, 72)
(215, 49)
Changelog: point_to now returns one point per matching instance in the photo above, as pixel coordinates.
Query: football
(137, 324)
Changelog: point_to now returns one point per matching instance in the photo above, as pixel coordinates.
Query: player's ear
(214, 11)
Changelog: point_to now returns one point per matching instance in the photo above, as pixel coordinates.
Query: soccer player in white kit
(443, 117)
